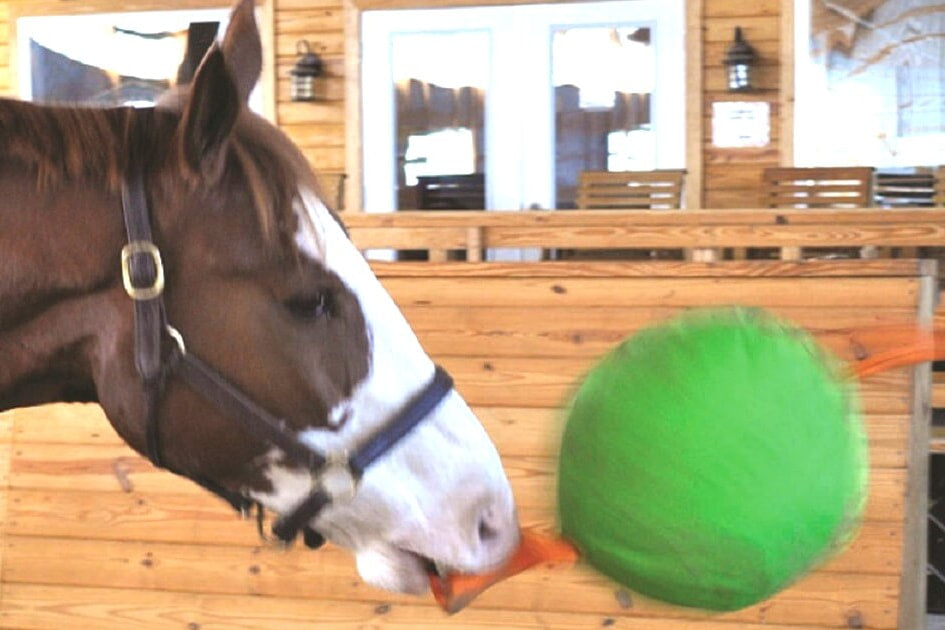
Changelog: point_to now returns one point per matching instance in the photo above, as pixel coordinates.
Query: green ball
(713, 460)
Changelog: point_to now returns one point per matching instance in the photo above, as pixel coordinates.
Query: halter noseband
(334, 476)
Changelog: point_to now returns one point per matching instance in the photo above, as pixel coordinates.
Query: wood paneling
(738, 183)
(318, 128)
(93, 536)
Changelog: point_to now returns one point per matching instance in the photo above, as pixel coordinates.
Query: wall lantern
(307, 68)
(739, 60)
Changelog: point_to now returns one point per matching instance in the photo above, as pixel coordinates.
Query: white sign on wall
(740, 124)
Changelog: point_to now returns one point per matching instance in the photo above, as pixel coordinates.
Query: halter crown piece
(160, 352)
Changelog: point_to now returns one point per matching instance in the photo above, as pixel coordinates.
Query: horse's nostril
(486, 531)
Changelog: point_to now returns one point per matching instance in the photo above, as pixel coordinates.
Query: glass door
(501, 107)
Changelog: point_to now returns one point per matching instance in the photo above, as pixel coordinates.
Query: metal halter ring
(177, 337)
(142, 293)
(336, 478)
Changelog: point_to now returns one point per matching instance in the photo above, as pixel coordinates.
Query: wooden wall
(732, 176)
(318, 128)
(4, 49)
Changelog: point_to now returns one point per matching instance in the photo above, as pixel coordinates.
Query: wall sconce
(307, 68)
(739, 60)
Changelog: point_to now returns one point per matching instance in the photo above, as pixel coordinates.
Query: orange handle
(455, 591)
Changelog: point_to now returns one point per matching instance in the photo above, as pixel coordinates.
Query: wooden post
(474, 244)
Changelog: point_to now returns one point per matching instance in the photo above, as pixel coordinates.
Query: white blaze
(427, 495)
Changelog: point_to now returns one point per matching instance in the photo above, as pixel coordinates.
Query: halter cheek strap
(160, 353)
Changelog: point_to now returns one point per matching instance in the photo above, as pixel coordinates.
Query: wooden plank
(842, 268)
(671, 233)
(324, 134)
(764, 292)
(722, 236)
(786, 93)
(411, 238)
(329, 42)
(938, 390)
(61, 468)
(307, 21)
(912, 586)
(767, 156)
(285, 6)
(694, 104)
(69, 423)
(352, 72)
(737, 8)
(518, 431)
(325, 158)
(204, 520)
(301, 113)
(734, 175)
(754, 28)
(549, 382)
(6, 441)
(227, 571)
(589, 332)
(591, 218)
(35, 607)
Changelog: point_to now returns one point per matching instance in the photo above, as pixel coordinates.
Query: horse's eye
(309, 307)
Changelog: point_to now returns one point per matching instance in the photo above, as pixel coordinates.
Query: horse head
(263, 284)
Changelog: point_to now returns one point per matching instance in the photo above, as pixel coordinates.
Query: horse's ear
(210, 112)
(242, 48)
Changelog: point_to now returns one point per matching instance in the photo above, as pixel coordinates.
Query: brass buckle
(142, 293)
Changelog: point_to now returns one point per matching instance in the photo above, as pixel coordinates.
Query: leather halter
(160, 352)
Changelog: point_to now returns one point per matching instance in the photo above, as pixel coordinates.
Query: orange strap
(911, 345)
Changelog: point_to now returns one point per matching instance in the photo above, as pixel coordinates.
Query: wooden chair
(939, 195)
(904, 190)
(628, 190)
(825, 187)
(641, 190)
(899, 190)
(451, 192)
(830, 187)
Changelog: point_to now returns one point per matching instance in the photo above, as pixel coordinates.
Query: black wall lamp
(739, 60)
(307, 68)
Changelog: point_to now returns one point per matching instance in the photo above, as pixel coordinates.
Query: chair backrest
(939, 196)
(451, 192)
(828, 187)
(606, 190)
(893, 190)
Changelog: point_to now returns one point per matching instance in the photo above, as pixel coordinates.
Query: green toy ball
(713, 460)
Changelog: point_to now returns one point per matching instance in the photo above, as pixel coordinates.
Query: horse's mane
(98, 146)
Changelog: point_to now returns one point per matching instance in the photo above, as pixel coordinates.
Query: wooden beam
(694, 104)
(786, 92)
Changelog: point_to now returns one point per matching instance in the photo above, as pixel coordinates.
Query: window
(526, 96)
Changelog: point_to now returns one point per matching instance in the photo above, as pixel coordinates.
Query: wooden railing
(702, 232)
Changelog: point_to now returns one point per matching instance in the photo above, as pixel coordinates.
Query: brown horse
(262, 284)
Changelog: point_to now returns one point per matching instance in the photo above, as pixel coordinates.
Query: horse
(177, 265)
